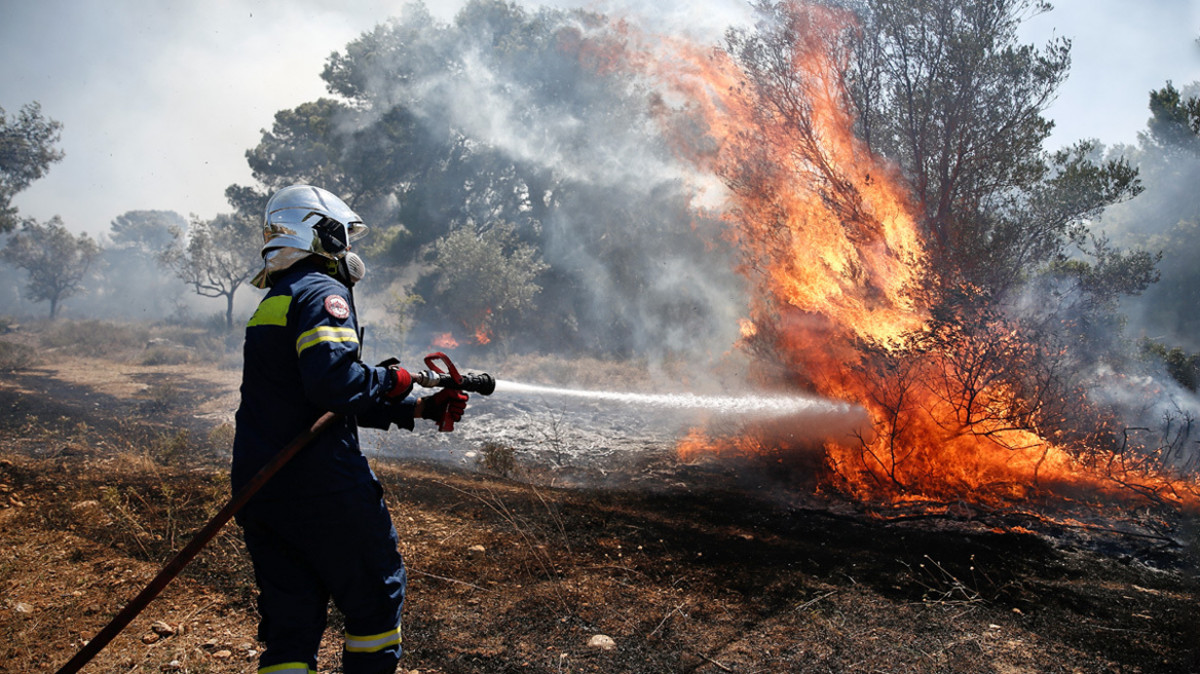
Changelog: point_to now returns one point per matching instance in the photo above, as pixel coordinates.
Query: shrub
(166, 355)
(15, 357)
(498, 458)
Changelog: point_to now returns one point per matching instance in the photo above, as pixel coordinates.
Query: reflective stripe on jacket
(301, 360)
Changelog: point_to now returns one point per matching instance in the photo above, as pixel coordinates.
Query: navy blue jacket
(302, 360)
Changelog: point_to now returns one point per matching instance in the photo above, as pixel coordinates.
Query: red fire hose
(181, 559)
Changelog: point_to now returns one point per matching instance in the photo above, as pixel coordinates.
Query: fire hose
(434, 377)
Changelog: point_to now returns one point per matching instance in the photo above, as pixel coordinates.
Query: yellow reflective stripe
(373, 643)
(271, 311)
(286, 668)
(325, 333)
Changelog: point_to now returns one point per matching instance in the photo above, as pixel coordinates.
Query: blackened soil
(512, 575)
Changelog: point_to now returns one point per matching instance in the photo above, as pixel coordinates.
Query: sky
(160, 99)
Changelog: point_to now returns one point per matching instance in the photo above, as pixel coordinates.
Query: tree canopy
(27, 149)
(55, 260)
(216, 257)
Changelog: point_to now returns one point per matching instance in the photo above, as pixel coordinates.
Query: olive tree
(215, 257)
(27, 148)
(56, 260)
(485, 280)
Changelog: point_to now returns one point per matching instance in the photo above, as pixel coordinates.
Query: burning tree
(911, 244)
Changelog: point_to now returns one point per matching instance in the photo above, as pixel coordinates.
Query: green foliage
(1182, 366)
(506, 115)
(147, 232)
(1166, 217)
(27, 148)
(946, 90)
(1174, 122)
(404, 307)
(486, 279)
(55, 260)
(304, 145)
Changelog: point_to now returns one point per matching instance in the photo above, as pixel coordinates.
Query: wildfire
(445, 340)
(483, 333)
(837, 261)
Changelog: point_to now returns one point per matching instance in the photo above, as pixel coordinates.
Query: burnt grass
(509, 575)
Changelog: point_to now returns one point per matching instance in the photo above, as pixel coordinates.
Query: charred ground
(106, 469)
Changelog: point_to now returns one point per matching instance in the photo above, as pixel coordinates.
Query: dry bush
(95, 338)
(166, 355)
(220, 439)
(498, 458)
(162, 399)
(14, 357)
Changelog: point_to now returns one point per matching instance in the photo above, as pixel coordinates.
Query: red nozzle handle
(446, 424)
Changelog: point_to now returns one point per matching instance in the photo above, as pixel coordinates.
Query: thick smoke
(634, 269)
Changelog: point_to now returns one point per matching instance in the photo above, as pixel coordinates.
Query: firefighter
(319, 529)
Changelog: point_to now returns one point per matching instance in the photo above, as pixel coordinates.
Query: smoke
(635, 269)
(1164, 219)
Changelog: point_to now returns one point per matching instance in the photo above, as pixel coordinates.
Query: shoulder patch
(337, 306)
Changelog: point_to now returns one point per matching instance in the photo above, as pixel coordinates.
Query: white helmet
(310, 219)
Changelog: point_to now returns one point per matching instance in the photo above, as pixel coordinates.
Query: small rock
(223, 654)
(209, 645)
(22, 607)
(162, 629)
(150, 638)
(602, 642)
(85, 505)
(172, 666)
(476, 552)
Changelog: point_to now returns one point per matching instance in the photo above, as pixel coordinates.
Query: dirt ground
(107, 466)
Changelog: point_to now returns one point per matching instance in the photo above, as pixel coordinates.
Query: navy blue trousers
(311, 549)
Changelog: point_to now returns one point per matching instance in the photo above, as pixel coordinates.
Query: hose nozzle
(481, 383)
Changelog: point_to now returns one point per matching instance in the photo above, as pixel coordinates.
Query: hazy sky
(160, 99)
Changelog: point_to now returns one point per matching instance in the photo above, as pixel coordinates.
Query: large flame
(838, 265)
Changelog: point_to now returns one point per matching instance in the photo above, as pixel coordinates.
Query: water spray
(762, 405)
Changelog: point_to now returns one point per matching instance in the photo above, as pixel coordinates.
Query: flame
(838, 266)
(483, 333)
(445, 340)
(747, 328)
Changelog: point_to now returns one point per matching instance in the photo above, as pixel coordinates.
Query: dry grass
(509, 577)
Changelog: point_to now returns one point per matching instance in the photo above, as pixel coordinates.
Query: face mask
(356, 269)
